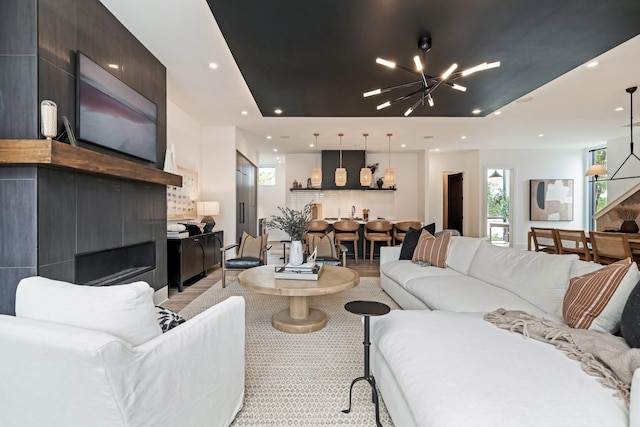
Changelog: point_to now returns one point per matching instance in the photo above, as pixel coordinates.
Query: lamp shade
(341, 177)
(365, 177)
(389, 177)
(596, 170)
(316, 177)
(208, 208)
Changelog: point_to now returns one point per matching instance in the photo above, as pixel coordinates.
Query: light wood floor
(179, 300)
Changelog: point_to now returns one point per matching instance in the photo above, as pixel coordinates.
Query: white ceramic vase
(295, 253)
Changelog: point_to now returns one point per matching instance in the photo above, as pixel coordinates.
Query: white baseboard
(161, 295)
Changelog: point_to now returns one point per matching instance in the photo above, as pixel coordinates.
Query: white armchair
(62, 375)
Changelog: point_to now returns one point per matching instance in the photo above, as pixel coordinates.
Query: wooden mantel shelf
(61, 155)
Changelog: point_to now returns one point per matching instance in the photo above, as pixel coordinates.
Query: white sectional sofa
(438, 363)
(90, 356)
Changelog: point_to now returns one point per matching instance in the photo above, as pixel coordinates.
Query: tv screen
(112, 114)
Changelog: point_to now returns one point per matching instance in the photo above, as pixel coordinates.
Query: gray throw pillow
(630, 320)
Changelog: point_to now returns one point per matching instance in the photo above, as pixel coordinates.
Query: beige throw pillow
(432, 249)
(252, 247)
(325, 244)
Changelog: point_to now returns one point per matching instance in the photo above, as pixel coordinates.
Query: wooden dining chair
(401, 228)
(347, 231)
(609, 247)
(376, 231)
(573, 242)
(317, 228)
(544, 240)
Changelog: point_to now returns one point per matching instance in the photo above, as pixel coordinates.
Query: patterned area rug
(302, 379)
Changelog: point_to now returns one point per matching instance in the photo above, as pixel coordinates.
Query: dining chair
(315, 227)
(573, 242)
(400, 229)
(347, 231)
(544, 240)
(250, 252)
(376, 231)
(609, 247)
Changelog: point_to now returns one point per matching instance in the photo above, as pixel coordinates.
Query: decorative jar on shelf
(380, 182)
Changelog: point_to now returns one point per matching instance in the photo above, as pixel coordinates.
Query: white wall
(454, 162)
(536, 164)
(617, 152)
(186, 135)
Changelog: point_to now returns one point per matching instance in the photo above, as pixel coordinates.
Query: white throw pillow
(125, 311)
(461, 252)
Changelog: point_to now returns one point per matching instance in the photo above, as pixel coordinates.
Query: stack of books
(177, 234)
(306, 271)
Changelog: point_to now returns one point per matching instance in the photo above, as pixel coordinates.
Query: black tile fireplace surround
(77, 227)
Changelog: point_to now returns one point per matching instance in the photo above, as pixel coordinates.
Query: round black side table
(367, 309)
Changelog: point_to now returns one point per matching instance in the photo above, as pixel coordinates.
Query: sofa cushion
(596, 300)
(125, 311)
(461, 252)
(630, 320)
(432, 250)
(457, 370)
(468, 294)
(410, 240)
(252, 247)
(537, 277)
(401, 271)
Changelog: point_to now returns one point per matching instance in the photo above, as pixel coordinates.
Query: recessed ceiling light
(463, 137)
(213, 65)
(114, 66)
(275, 150)
(311, 145)
(540, 135)
(245, 112)
(477, 111)
(592, 64)
(437, 149)
(403, 145)
(277, 111)
(619, 109)
(268, 136)
(497, 113)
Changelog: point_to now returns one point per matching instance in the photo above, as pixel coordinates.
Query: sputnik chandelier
(428, 84)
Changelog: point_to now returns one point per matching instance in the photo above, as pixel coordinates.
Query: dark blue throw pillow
(411, 240)
(168, 319)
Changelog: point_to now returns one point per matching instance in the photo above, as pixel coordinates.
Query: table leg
(298, 307)
(299, 318)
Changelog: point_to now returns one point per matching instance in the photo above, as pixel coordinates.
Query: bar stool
(376, 231)
(347, 231)
(401, 228)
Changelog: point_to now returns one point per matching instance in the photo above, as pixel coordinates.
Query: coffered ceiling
(314, 60)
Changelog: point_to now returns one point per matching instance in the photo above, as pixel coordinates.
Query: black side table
(367, 309)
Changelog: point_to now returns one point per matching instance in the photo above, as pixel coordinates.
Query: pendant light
(389, 174)
(316, 173)
(341, 173)
(495, 174)
(365, 172)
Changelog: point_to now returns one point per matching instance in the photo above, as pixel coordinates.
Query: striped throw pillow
(588, 295)
(432, 249)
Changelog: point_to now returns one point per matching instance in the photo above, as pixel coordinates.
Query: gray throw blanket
(602, 355)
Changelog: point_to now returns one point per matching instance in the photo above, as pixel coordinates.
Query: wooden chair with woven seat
(609, 247)
(347, 231)
(376, 231)
(544, 240)
(573, 242)
(401, 228)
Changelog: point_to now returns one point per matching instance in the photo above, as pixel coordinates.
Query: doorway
(498, 206)
(453, 202)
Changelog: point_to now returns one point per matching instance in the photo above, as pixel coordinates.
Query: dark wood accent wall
(352, 161)
(38, 44)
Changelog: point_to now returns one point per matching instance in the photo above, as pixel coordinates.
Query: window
(267, 176)
(597, 189)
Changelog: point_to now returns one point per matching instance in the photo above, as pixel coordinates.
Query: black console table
(192, 256)
(367, 309)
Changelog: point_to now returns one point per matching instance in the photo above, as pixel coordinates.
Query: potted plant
(294, 223)
(628, 215)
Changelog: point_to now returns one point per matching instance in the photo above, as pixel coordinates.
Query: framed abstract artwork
(551, 200)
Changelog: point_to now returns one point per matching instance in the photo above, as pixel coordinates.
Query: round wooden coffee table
(299, 318)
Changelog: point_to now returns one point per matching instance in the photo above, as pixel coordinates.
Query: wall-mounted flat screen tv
(112, 114)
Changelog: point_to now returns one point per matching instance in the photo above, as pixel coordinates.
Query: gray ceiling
(316, 58)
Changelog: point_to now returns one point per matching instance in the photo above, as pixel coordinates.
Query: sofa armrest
(389, 253)
(191, 375)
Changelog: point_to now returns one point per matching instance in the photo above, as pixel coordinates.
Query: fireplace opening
(114, 266)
